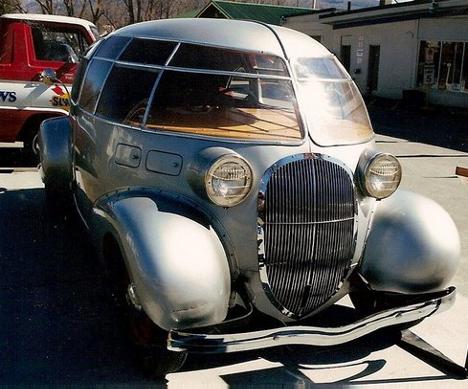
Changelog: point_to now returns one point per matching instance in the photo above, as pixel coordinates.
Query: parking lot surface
(58, 327)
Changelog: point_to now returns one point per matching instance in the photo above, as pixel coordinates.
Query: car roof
(233, 34)
(50, 19)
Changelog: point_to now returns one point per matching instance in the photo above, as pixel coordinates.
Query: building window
(443, 65)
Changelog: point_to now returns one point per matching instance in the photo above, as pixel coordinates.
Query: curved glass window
(123, 100)
(111, 47)
(78, 79)
(213, 58)
(95, 76)
(147, 51)
(225, 106)
(334, 109)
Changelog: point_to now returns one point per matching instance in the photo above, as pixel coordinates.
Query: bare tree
(47, 6)
(96, 10)
(114, 14)
(11, 6)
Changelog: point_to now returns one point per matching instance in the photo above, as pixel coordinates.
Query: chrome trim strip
(155, 86)
(134, 65)
(309, 223)
(201, 43)
(227, 73)
(308, 335)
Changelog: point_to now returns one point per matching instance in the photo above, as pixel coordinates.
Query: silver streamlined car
(228, 175)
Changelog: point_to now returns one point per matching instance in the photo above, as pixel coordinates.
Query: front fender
(179, 267)
(413, 246)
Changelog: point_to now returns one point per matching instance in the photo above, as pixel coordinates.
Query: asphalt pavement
(58, 326)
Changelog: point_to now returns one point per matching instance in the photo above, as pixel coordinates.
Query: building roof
(50, 19)
(395, 12)
(266, 13)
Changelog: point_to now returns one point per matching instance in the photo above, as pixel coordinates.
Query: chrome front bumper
(308, 335)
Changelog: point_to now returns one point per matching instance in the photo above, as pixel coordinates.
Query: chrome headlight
(382, 176)
(228, 180)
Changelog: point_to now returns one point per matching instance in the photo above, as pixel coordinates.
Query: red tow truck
(30, 43)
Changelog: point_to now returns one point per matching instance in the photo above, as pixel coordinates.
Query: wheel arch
(32, 123)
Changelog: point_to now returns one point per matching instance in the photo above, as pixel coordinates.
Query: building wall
(445, 29)
(399, 51)
(398, 48)
(310, 25)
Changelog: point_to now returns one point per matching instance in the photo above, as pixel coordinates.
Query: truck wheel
(31, 148)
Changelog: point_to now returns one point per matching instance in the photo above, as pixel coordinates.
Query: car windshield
(218, 92)
(334, 109)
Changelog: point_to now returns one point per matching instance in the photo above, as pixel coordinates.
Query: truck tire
(31, 147)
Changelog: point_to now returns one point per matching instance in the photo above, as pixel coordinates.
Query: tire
(157, 361)
(149, 344)
(31, 147)
(366, 303)
(146, 339)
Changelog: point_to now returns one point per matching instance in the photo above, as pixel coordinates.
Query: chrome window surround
(166, 66)
(260, 230)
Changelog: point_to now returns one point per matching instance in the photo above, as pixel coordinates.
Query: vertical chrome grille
(307, 224)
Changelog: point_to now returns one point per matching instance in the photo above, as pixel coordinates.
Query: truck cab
(29, 44)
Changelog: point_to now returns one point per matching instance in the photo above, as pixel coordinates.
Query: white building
(388, 50)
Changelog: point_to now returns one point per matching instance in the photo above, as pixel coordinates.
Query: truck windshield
(334, 109)
(58, 43)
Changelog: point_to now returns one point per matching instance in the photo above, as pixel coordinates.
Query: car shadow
(434, 125)
(14, 157)
(57, 323)
(59, 327)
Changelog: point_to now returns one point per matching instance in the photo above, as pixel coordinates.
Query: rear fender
(55, 152)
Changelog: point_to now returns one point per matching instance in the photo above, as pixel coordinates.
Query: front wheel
(146, 340)
(149, 343)
(157, 361)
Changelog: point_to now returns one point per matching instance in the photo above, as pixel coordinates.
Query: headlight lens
(228, 181)
(382, 176)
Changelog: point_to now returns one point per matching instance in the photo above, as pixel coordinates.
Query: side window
(147, 51)
(79, 80)
(212, 58)
(95, 76)
(111, 47)
(58, 44)
(124, 101)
